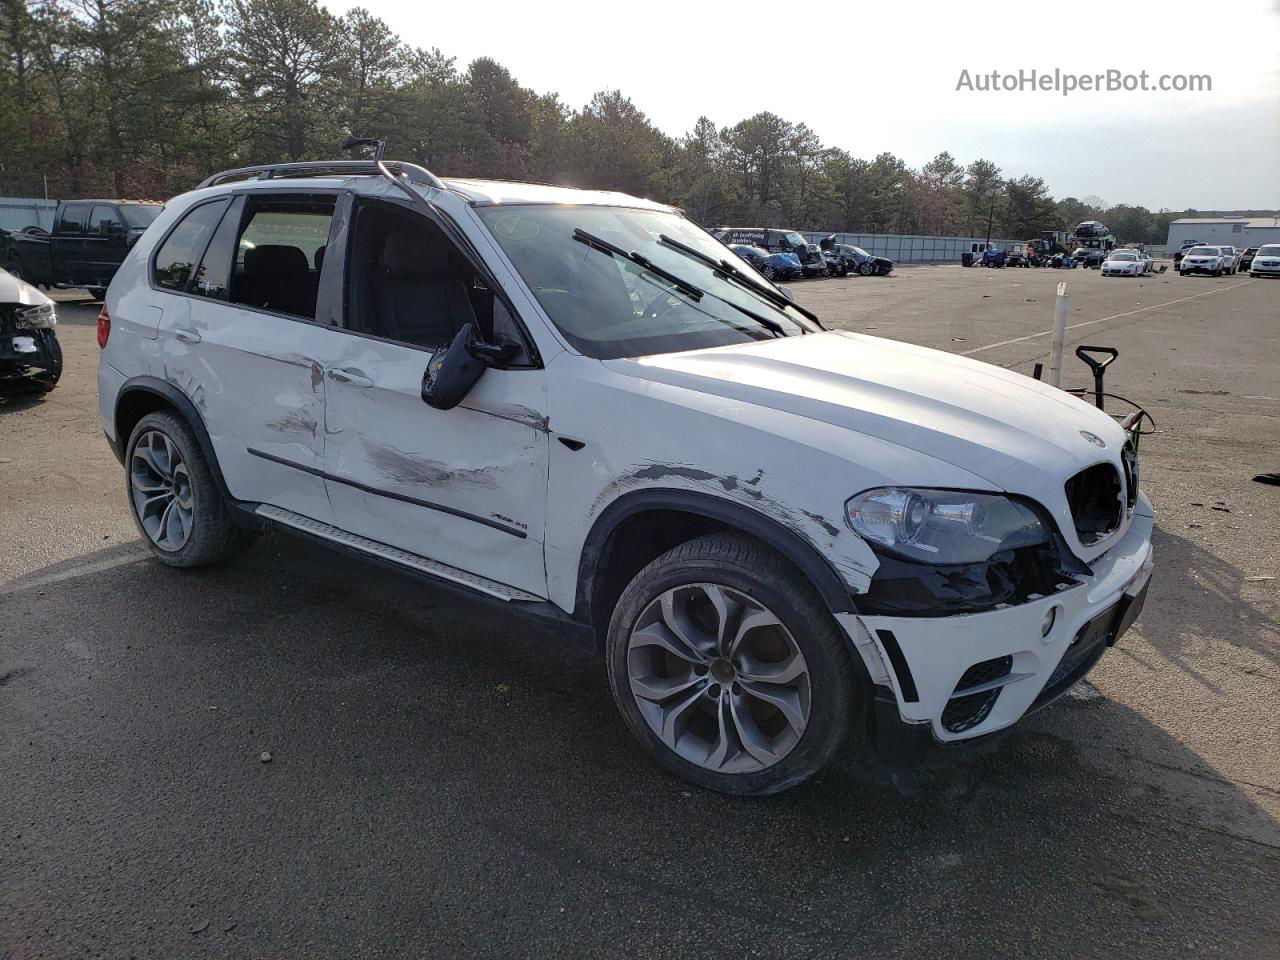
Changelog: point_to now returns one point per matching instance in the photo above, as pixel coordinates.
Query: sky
(872, 77)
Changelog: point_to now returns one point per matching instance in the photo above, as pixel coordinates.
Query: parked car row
(788, 255)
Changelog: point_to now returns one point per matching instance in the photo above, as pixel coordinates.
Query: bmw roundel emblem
(1093, 438)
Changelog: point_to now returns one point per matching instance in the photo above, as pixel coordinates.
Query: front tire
(866, 268)
(727, 667)
(175, 501)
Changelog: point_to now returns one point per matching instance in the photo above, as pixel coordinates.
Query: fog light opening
(1046, 625)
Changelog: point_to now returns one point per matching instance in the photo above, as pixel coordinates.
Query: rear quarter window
(182, 249)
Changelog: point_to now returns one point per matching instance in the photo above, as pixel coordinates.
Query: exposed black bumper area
(1089, 644)
(29, 358)
(897, 745)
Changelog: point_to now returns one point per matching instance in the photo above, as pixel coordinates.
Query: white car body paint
(1129, 264)
(16, 291)
(787, 428)
(1266, 262)
(1205, 262)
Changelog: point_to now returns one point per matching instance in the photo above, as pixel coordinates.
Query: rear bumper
(917, 663)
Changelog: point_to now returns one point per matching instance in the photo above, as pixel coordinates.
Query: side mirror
(786, 292)
(453, 371)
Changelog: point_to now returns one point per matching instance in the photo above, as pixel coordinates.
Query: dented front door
(465, 487)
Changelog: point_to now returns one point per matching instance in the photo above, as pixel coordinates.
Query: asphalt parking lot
(446, 785)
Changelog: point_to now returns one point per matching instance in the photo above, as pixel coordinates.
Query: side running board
(403, 558)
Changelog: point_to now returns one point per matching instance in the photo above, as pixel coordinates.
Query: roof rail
(311, 168)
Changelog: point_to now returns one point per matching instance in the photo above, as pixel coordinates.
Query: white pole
(1059, 335)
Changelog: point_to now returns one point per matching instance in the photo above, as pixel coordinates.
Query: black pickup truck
(89, 240)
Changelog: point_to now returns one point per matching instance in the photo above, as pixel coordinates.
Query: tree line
(144, 98)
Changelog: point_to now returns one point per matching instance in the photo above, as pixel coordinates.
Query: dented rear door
(256, 376)
(465, 487)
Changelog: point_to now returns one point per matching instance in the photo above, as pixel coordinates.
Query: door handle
(353, 377)
(187, 336)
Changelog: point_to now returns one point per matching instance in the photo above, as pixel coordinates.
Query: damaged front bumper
(29, 356)
(948, 679)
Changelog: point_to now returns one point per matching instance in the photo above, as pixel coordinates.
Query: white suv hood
(1015, 432)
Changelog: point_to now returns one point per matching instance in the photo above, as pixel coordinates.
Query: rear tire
(708, 722)
(174, 500)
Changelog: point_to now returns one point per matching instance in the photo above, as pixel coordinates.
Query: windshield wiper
(688, 289)
(726, 269)
(591, 240)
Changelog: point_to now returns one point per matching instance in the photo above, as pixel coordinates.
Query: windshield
(794, 240)
(1202, 252)
(1123, 256)
(139, 214)
(1270, 250)
(860, 252)
(608, 306)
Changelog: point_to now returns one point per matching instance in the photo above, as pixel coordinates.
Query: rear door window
(212, 278)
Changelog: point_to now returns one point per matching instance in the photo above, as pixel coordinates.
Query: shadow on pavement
(1194, 588)
(443, 781)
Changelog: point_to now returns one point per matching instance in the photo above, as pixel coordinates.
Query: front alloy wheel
(718, 678)
(728, 667)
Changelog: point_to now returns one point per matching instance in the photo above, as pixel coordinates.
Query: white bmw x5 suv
(583, 406)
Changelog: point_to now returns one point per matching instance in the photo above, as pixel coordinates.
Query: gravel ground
(442, 783)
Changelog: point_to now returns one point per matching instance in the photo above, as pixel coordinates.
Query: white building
(1239, 232)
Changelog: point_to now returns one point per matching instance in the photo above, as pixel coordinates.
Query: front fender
(800, 551)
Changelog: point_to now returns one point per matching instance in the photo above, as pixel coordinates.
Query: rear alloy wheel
(162, 497)
(176, 504)
(727, 667)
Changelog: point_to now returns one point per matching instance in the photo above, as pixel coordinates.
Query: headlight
(943, 526)
(35, 318)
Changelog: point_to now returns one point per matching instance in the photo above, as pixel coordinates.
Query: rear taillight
(104, 325)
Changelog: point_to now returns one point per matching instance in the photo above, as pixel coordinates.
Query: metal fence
(903, 248)
(19, 212)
